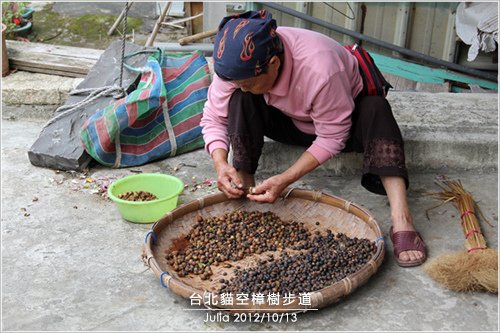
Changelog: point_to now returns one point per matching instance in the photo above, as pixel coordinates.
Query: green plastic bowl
(166, 188)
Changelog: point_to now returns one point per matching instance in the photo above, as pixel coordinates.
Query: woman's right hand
(229, 182)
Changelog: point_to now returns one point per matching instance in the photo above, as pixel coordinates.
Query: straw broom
(476, 269)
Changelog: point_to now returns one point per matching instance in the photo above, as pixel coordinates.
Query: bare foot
(402, 221)
(407, 256)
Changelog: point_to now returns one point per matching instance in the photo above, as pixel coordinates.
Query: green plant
(12, 14)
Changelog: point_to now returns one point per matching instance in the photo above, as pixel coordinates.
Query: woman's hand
(229, 182)
(269, 190)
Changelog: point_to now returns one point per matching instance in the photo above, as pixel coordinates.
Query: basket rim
(347, 283)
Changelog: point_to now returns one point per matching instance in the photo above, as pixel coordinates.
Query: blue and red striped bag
(374, 83)
(161, 118)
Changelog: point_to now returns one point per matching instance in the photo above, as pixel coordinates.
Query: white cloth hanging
(477, 26)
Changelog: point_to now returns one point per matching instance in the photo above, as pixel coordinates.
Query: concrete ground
(71, 263)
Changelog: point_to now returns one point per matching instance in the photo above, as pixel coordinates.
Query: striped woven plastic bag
(161, 118)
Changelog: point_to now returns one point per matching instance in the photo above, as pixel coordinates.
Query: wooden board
(197, 24)
(52, 59)
(189, 24)
(400, 83)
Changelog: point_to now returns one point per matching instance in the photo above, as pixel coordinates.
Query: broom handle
(464, 202)
(474, 239)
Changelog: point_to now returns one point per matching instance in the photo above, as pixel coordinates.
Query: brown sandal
(408, 241)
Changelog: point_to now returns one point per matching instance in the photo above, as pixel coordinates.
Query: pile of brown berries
(137, 196)
(234, 236)
(327, 259)
(308, 262)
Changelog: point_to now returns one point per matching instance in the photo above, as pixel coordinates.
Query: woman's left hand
(269, 190)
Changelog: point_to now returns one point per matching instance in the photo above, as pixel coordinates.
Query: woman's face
(262, 83)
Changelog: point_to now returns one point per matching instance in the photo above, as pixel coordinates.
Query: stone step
(441, 131)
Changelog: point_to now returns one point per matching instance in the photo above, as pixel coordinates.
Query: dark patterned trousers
(374, 133)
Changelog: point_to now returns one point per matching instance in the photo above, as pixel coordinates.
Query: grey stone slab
(59, 145)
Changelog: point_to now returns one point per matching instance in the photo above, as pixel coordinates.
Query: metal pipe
(176, 47)
(402, 50)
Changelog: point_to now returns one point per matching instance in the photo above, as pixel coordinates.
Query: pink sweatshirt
(316, 88)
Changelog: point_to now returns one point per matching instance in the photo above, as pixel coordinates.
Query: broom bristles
(462, 271)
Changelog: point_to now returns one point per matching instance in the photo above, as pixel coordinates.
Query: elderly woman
(300, 87)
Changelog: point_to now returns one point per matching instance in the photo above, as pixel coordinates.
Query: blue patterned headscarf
(244, 45)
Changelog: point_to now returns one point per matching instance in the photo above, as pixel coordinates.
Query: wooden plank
(197, 24)
(189, 24)
(52, 59)
(48, 61)
(49, 71)
(400, 83)
(68, 51)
